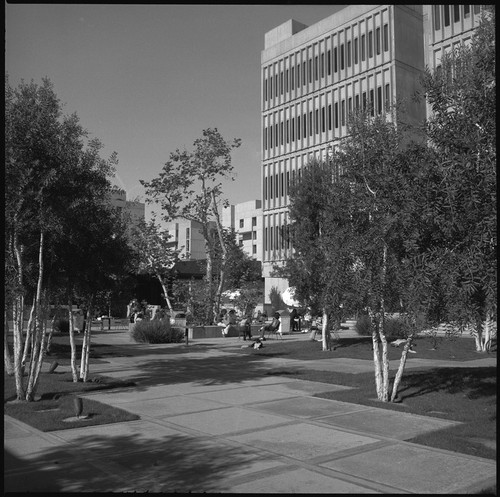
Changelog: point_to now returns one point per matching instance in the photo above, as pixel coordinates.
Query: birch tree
(155, 254)
(189, 186)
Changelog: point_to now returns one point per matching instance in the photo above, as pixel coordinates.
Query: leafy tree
(189, 187)
(462, 132)
(55, 190)
(155, 254)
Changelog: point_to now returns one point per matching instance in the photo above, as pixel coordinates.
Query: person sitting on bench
(273, 326)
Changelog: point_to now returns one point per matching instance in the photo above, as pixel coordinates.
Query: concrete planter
(197, 332)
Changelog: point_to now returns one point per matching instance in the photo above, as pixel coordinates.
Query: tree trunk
(7, 357)
(28, 341)
(74, 369)
(376, 362)
(383, 340)
(401, 367)
(84, 367)
(385, 362)
(17, 339)
(222, 272)
(325, 334)
(18, 319)
(38, 331)
(165, 292)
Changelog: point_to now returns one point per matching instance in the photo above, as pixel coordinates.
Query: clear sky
(148, 79)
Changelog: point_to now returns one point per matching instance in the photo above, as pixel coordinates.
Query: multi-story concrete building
(246, 220)
(132, 211)
(363, 56)
(187, 236)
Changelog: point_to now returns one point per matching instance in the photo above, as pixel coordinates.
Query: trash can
(285, 321)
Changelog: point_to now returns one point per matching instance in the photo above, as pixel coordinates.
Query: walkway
(213, 422)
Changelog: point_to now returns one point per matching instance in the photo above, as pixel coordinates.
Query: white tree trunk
(74, 368)
(7, 357)
(377, 364)
(165, 292)
(385, 363)
(28, 341)
(325, 334)
(39, 328)
(84, 366)
(402, 363)
(18, 318)
(222, 272)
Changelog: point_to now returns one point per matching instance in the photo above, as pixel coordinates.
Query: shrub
(61, 325)
(394, 327)
(364, 325)
(156, 331)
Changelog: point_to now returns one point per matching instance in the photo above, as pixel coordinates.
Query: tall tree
(462, 131)
(189, 186)
(155, 253)
(55, 178)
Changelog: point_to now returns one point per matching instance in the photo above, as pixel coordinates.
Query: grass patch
(54, 403)
(464, 394)
(459, 349)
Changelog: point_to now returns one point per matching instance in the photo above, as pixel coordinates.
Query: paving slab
(61, 476)
(304, 387)
(244, 395)
(304, 441)
(299, 480)
(228, 420)
(397, 425)
(119, 436)
(193, 465)
(416, 469)
(170, 406)
(309, 407)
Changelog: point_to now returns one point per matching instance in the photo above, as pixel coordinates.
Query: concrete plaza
(213, 422)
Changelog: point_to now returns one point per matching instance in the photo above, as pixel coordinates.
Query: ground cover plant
(57, 391)
(54, 403)
(458, 393)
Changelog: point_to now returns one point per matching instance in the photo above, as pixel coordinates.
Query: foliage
(60, 233)
(250, 295)
(462, 132)
(277, 303)
(364, 325)
(189, 186)
(156, 331)
(155, 254)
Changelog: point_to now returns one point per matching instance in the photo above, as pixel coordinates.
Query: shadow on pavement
(171, 464)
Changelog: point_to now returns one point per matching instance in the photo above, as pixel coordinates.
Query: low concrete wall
(198, 332)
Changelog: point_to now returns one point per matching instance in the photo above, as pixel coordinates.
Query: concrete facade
(246, 220)
(187, 236)
(133, 212)
(311, 78)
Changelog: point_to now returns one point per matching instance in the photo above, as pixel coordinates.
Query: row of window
(254, 222)
(254, 247)
(329, 61)
(328, 117)
(276, 238)
(447, 12)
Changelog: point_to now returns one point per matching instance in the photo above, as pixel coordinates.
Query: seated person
(273, 326)
(230, 321)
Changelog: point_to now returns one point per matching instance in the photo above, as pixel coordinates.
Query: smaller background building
(187, 236)
(246, 220)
